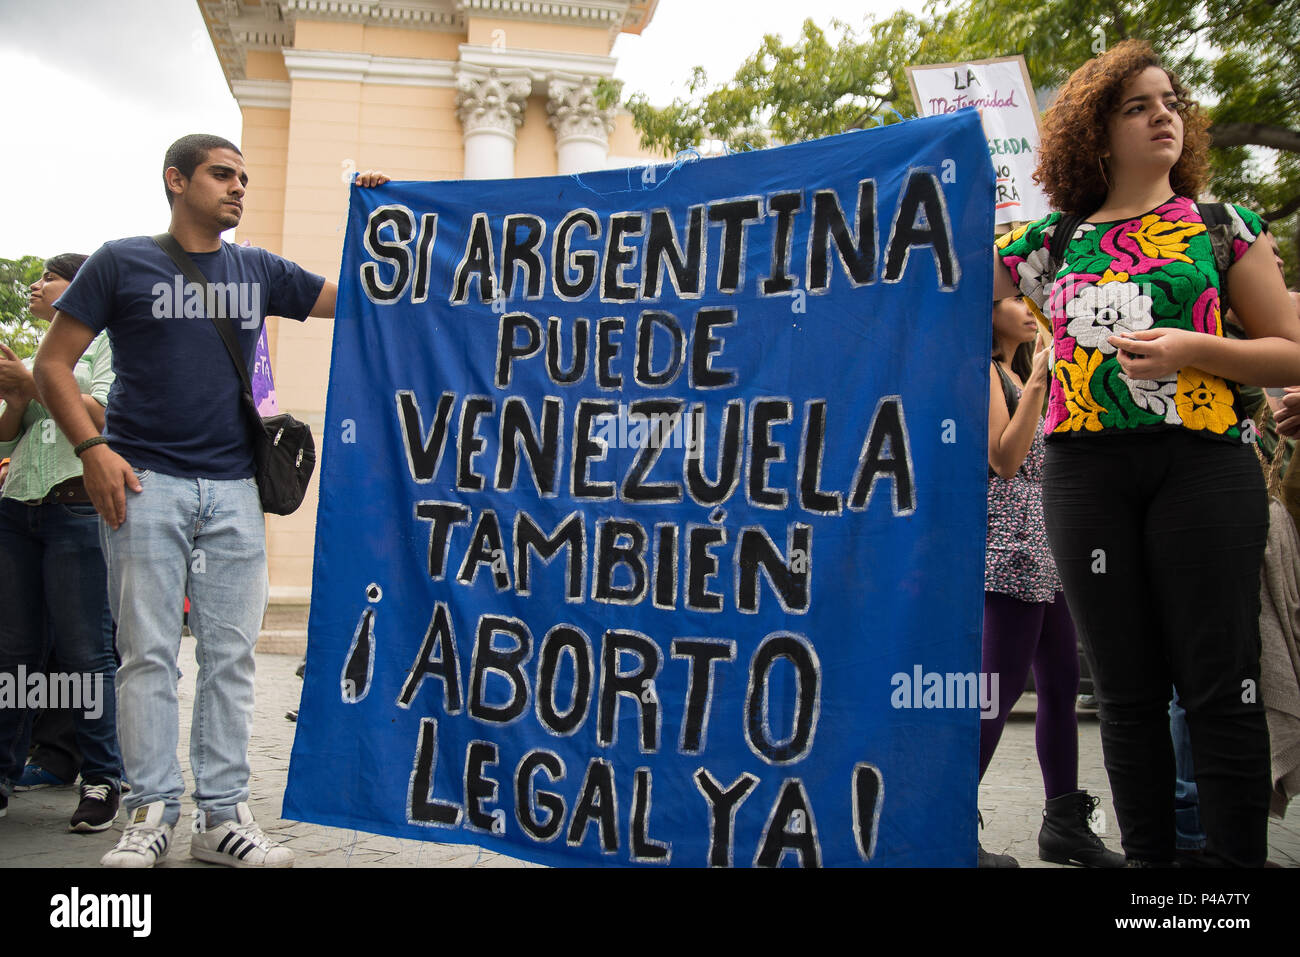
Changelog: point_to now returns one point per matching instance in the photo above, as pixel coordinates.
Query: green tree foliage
(1240, 57)
(19, 329)
(814, 87)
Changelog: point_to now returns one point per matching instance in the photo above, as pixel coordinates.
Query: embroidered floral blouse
(1148, 272)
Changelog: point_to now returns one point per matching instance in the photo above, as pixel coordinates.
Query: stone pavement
(35, 832)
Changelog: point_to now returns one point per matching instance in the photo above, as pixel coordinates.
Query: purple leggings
(1018, 634)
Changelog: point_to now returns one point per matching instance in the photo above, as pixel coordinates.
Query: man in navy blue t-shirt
(175, 437)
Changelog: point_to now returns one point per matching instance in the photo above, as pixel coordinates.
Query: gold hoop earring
(1102, 166)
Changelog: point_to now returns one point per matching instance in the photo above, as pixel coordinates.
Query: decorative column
(490, 106)
(581, 127)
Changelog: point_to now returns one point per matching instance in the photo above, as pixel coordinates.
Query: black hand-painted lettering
(542, 454)
(634, 684)
(783, 206)
(735, 215)
(702, 653)
(807, 702)
(684, 269)
(922, 222)
(471, 444)
(703, 489)
(479, 788)
(443, 516)
(789, 575)
(436, 658)
(723, 804)
(477, 263)
(570, 534)
(645, 347)
(505, 662)
(790, 828)
(607, 350)
(564, 641)
(663, 419)
(424, 453)
(526, 798)
(522, 252)
(509, 349)
(856, 251)
(619, 256)
(421, 806)
(705, 345)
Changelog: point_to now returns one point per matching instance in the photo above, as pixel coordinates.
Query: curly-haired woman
(1154, 502)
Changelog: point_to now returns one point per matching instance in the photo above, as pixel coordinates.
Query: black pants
(1158, 539)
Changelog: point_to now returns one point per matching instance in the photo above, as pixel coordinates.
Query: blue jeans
(53, 590)
(205, 538)
(1188, 835)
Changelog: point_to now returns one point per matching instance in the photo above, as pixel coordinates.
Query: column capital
(491, 100)
(573, 111)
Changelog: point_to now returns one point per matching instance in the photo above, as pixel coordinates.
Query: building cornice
(541, 65)
(589, 13)
(238, 26)
(408, 14)
(261, 94)
(368, 68)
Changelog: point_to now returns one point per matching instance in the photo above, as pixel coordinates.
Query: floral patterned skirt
(1018, 561)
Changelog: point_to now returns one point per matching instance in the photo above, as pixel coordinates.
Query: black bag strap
(1218, 224)
(1009, 391)
(1061, 236)
(168, 244)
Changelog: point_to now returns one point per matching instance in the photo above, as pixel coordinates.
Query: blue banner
(652, 510)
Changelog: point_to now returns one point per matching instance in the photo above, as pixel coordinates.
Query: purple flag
(263, 381)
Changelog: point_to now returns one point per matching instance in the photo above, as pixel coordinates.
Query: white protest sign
(1001, 91)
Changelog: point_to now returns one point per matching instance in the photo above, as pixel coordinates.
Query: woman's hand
(1156, 353)
(16, 383)
(1038, 373)
(1288, 416)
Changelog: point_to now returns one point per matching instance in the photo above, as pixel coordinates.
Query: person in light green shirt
(40, 457)
(53, 581)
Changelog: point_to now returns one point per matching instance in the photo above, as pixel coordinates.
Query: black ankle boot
(1066, 838)
(985, 859)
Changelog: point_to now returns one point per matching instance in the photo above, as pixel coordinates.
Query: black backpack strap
(1061, 236)
(1218, 224)
(1062, 233)
(1009, 391)
(168, 244)
(1011, 396)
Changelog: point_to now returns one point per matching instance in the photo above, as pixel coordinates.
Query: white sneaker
(144, 841)
(239, 843)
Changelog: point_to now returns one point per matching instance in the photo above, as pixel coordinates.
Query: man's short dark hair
(188, 152)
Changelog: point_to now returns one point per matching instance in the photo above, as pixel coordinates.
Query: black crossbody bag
(283, 448)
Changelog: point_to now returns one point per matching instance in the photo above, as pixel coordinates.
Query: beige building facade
(424, 90)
